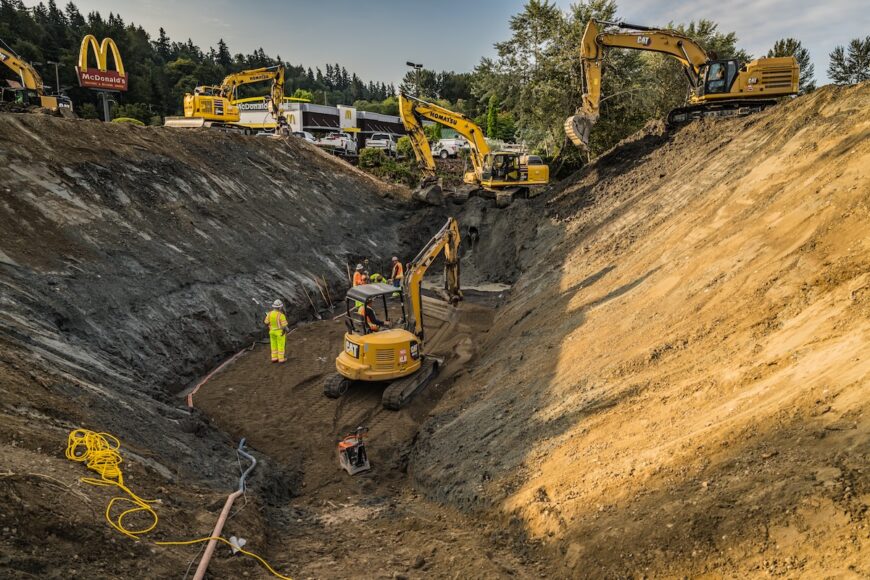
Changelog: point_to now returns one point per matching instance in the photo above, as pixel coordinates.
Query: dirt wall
(678, 383)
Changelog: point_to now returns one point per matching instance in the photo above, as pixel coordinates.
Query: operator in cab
(371, 319)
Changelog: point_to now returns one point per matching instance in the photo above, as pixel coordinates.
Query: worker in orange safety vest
(398, 272)
(276, 320)
(371, 319)
(359, 277)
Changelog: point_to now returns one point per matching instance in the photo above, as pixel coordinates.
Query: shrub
(370, 158)
(404, 148)
(128, 120)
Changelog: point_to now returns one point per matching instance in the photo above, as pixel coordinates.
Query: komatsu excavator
(32, 90)
(718, 88)
(210, 106)
(380, 351)
(502, 173)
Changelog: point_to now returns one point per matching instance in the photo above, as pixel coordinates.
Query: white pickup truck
(383, 141)
(445, 148)
(340, 141)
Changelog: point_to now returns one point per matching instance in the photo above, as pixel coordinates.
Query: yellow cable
(100, 453)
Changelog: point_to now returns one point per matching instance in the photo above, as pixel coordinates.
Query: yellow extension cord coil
(100, 453)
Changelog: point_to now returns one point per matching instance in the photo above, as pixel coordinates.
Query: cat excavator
(212, 106)
(32, 90)
(381, 351)
(503, 174)
(718, 88)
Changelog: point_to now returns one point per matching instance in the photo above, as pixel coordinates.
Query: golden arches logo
(348, 114)
(101, 77)
(291, 118)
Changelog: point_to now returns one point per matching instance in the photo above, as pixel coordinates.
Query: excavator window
(720, 76)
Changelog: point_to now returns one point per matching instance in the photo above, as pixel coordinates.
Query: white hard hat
(359, 267)
(277, 304)
(395, 259)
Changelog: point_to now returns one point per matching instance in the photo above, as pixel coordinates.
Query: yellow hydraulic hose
(100, 453)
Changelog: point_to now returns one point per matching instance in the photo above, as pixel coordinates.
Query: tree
(223, 57)
(492, 117)
(302, 94)
(792, 47)
(851, 67)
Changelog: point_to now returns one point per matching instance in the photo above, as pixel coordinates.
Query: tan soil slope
(681, 385)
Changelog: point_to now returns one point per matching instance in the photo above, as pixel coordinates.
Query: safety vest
(276, 320)
(398, 271)
(364, 313)
(358, 278)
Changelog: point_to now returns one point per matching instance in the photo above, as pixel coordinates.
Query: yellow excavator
(212, 106)
(32, 89)
(502, 173)
(718, 88)
(378, 350)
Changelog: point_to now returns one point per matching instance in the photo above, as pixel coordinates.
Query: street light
(56, 75)
(416, 67)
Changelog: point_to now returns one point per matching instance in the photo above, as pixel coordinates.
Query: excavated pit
(658, 369)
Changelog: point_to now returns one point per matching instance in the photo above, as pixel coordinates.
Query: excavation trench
(323, 522)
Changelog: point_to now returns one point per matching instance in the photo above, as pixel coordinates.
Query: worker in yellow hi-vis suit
(277, 323)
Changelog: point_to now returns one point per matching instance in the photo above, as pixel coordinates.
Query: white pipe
(219, 526)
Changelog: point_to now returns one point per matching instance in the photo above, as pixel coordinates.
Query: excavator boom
(446, 240)
(32, 83)
(739, 88)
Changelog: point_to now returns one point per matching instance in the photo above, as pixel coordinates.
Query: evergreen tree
(492, 117)
(850, 67)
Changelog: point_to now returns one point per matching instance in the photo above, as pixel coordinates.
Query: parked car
(383, 141)
(305, 135)
(445, 148)
(338, 140)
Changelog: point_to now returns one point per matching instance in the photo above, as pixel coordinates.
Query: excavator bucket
(429, 191)
(578, 127)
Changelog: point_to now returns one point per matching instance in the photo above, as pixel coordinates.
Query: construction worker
(358, 276)
(376, 278)
(277, 323)
(370, 318)
(397, 273)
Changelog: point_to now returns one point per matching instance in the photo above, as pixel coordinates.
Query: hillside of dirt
(679, 383)
(133, 260)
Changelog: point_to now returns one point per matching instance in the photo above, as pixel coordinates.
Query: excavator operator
(371, 319)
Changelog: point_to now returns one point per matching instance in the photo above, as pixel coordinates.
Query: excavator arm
(592, 49)
(274, 73)
(446, 240)
(413, 111)
(30, 79)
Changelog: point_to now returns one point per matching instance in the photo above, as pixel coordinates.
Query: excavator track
(736, 108)
(335, 386)
(400, 392)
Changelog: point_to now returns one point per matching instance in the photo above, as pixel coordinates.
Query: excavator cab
(718, 77)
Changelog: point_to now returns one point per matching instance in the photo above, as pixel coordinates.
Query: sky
(374, 38)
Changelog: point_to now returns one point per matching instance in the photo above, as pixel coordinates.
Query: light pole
(416, 67)
(56, 75)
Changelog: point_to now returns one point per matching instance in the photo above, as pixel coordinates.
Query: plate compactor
(352, 456)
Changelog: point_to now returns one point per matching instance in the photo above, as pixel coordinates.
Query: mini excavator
(718, 88)
(389, 353)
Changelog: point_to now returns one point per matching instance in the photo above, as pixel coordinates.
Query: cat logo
(101, 77)
(643, 40)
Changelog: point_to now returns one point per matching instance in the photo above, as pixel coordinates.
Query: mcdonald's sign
(100, 77)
